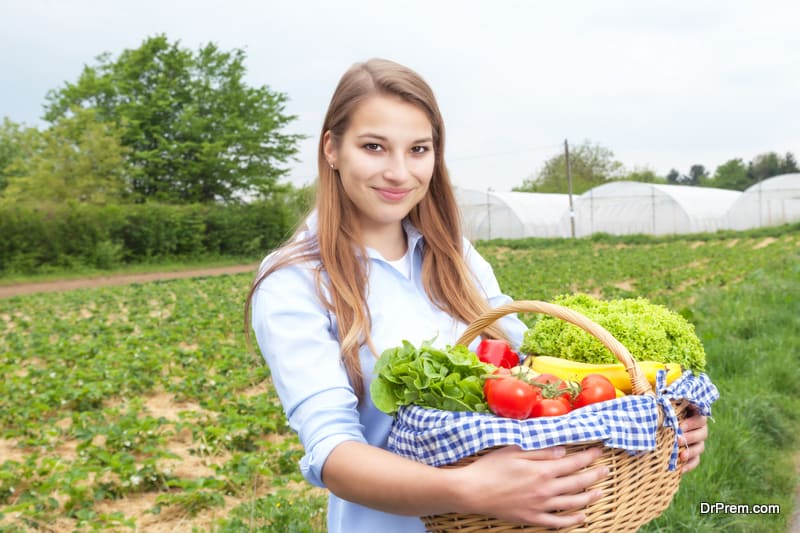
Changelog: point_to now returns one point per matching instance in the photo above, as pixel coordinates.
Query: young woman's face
(385, 160)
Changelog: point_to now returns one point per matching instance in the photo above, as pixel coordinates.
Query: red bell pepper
(497, 352)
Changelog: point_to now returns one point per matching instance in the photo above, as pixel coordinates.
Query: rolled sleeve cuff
(323, 422)
(312, 462)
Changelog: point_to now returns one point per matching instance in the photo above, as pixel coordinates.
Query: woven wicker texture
(638, 488)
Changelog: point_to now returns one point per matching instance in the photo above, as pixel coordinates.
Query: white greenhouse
(628, 207)
(771, 202)
(510, 215)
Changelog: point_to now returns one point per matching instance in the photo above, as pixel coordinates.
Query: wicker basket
(638, 488)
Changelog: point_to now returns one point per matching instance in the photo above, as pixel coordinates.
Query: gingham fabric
(697, 389)
(439, 437)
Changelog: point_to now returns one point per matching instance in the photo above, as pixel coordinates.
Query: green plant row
(35, 239)
(119, 395)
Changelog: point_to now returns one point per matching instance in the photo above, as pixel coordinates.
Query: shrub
(38, 238)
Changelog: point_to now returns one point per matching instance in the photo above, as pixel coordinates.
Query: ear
(328, 148)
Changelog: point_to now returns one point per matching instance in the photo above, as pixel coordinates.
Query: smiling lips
(392, 194)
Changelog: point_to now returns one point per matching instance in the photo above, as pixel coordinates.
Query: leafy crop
(649, 331)
(111, 393)
(448, 379)
(139, 407)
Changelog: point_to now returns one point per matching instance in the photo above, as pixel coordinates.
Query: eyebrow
(385, 139)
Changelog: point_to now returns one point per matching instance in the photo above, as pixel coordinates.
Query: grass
(750, 337)
(139, 408)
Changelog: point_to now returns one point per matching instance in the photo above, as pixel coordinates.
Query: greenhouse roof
(784, 182)
(696, 202)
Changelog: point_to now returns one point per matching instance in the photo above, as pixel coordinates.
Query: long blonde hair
(341, 277)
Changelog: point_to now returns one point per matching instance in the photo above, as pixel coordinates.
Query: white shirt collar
(413, 235)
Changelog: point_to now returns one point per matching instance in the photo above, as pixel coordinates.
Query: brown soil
(764, 243)
(7, 291)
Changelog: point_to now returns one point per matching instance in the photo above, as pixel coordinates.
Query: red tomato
(497, 352)
(552, 385)
(594, 388)
(508, 396)
(547, 379)
(550, 407)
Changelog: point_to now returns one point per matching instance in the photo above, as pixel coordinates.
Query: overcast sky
(662, 84)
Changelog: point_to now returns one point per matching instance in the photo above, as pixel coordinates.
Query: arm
(297, 338)
(508, 483)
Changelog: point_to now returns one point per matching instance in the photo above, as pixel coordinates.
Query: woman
(382, 259)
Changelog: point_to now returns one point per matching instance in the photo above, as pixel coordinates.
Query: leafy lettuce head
(649, 331)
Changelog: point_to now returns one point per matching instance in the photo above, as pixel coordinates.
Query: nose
(396, 169)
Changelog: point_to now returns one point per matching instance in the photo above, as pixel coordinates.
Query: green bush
(247, 230)
(156, 230)
(38, 238)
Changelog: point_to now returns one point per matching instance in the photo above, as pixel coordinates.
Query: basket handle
(640, 385)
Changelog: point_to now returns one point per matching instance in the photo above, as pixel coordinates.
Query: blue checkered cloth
(439, 438)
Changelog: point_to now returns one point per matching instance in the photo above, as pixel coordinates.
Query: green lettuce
(449, 379)
(649, 331)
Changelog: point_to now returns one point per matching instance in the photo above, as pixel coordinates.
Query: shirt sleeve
(296, 336)
(487, 282)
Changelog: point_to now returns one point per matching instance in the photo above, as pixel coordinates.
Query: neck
(389, 241)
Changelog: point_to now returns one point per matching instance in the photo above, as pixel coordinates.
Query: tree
(789, 164)
(697, 175)
(78, 158)
(731, 175)
(13, 140)
(770, 164)
(644, 175)
(674, 177)
(590, 166)
(193, 130)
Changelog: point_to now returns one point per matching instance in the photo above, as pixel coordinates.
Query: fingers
(570, 477)
(575, 501)
(538, 483)
(693, 423)
(691, 456)
(695, 432)
(552, 510)
(553, 515)
(691, 464)
(576, 483)
(556, 521)
(562, 464)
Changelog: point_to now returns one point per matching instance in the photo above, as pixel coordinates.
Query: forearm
(379, 479)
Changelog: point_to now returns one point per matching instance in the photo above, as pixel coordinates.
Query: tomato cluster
(517, 392)
(518, 395)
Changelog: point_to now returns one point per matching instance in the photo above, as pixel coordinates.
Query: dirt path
(7, 291)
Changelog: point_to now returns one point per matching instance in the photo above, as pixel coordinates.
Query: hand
(695, 432)
(530, 486)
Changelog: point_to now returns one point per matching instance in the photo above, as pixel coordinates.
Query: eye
(373, 147)
(420, 149)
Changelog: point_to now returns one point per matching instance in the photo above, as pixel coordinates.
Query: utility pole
(489, 212)
(569, 187)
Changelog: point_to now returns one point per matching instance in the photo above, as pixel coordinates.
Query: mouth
(392, 194)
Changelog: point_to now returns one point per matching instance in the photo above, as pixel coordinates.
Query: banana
(616, 373)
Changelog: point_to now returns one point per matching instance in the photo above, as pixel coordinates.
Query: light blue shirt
(298, 339)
